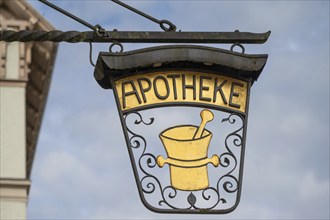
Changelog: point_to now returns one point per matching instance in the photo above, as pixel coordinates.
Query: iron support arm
(135, 37)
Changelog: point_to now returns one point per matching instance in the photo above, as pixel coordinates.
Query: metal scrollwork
(214, 196)
(229, 182)
(135, 139)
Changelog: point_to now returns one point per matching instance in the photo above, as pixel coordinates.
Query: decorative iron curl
(135, 139)
(230, 184)
(238, 139)
(207, 196)
(149, 187)
(171, 194)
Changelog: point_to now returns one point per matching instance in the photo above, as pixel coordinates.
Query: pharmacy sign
(183, 111)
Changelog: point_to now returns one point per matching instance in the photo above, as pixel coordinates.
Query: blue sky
(82, 169)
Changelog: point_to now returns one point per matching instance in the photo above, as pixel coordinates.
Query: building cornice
(14, 189)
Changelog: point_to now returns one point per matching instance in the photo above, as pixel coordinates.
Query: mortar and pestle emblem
(187, 147)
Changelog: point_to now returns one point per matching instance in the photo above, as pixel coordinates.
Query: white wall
(12, 209)
(12, 132)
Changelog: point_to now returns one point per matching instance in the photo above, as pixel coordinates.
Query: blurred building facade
(25, 73)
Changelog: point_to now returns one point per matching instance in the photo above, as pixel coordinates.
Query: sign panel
(181, 87)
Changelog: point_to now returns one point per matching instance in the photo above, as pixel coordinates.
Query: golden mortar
(187, 157)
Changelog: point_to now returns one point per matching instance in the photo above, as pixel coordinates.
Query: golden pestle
(206, 116)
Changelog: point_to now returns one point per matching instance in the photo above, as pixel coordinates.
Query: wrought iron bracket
(135, 37)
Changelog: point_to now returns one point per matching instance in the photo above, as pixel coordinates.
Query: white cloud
(312, 189)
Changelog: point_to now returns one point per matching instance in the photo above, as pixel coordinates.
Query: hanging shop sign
(183, 111)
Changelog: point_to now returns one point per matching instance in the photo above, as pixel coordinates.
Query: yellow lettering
(181, 88)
